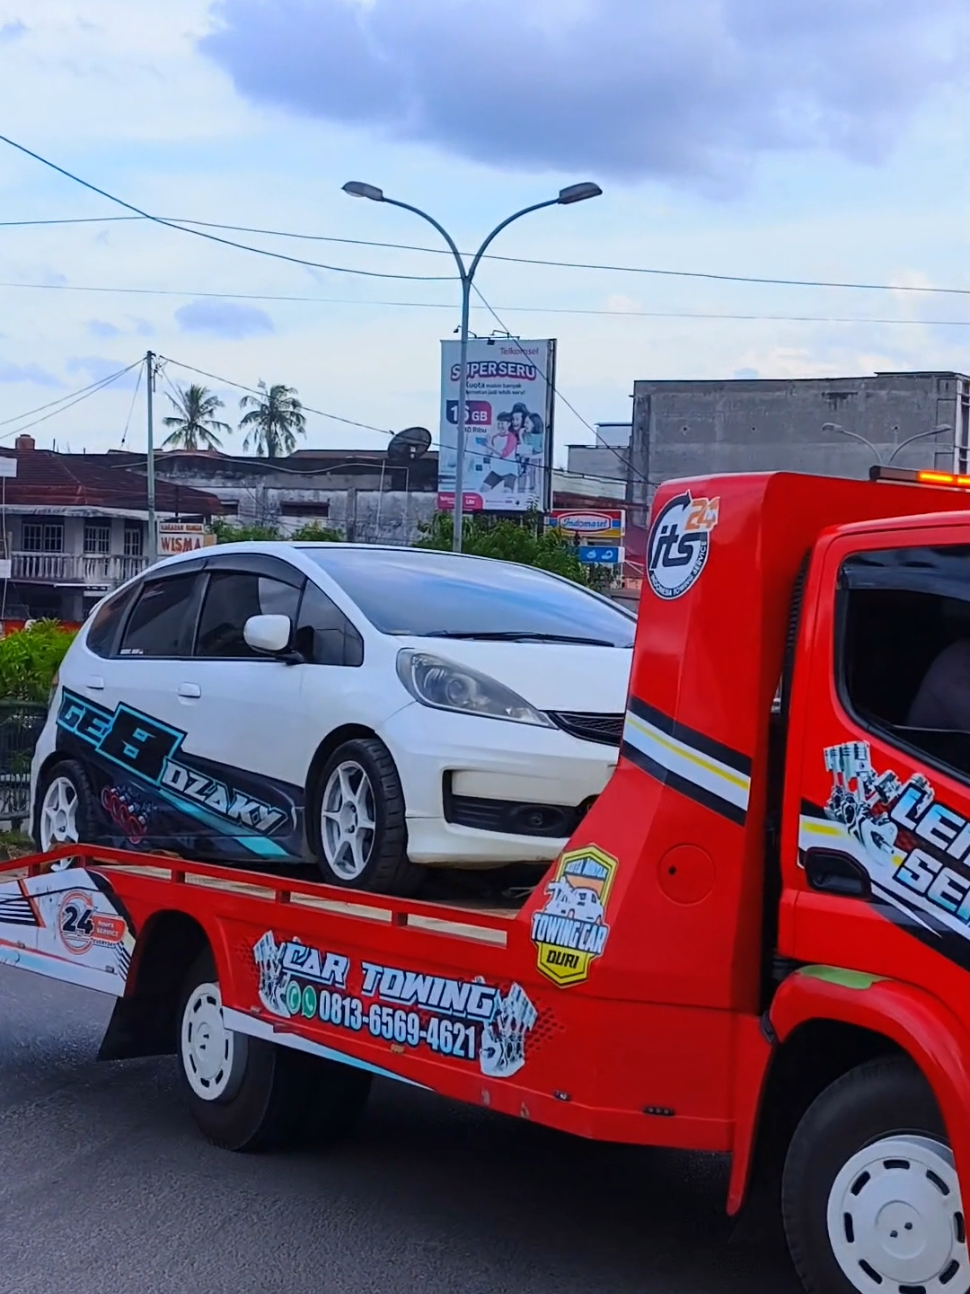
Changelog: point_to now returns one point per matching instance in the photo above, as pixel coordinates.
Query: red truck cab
(757, 941)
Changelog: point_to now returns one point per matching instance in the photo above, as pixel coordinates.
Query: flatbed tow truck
(757, 941)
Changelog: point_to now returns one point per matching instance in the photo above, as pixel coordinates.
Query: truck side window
(904, 617)
(324, 634)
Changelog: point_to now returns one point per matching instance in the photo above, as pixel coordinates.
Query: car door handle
(189, 689)
(95, 683)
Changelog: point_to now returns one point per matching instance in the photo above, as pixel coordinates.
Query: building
(73, 528)
(607, 457)
(359, 493)
(829, 426)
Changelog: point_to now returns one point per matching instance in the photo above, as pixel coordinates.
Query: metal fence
(20, 726)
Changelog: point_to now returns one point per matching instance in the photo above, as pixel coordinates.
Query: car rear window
(405, 592)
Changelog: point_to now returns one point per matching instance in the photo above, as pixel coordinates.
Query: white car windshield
(426, 594)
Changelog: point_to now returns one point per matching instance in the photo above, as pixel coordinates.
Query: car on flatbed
(378, 710)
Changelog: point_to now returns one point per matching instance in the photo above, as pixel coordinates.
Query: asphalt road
(105, 1185)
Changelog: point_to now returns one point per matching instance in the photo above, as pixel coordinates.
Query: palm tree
(274, 420)
(193, 426)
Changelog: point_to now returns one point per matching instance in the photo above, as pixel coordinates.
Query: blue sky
(775, 138)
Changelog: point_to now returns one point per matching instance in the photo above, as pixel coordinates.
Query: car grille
(606, 729)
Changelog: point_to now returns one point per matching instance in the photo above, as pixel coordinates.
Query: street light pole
(573, 193)
(920, 435)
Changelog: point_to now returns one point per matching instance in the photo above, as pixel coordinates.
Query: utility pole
(150, 463)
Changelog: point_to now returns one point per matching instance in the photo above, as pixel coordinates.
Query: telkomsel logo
(678, 544)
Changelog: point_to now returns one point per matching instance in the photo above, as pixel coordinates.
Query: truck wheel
(67, 808)
(361, 835)
(248, 1094)
(870, 1196)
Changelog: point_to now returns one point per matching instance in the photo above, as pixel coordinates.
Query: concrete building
(815, 425)
(358, 493)
(607, 457)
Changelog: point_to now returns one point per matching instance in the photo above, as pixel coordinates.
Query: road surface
(105, 1185)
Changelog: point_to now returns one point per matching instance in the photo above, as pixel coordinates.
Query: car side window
(230, 599)
(904, 648)
(156, 625)
(106, 621)
(324, 635)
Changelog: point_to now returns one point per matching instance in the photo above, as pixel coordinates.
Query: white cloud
(690, 91)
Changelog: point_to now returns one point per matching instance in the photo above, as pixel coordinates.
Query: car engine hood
(550, 676)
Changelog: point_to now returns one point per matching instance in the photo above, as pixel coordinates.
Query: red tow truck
(757, 942)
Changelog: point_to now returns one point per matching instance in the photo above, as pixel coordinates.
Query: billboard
(508, 424)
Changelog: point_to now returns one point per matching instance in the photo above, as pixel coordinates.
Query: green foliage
(30, 659)
(274, 420)
(508, 541)
(227, 532)
(194, 425)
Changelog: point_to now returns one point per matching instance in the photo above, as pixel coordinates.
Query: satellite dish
(408, 445)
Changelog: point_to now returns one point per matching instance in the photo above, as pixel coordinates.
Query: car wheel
(870, 1195)
(361, 839)
(67, 808)
(249, 1094)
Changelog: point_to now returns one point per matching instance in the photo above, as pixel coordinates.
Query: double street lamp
(466, 273)
(920, 435)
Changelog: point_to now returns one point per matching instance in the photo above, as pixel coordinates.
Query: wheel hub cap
(213, 1056)
(895, 1219)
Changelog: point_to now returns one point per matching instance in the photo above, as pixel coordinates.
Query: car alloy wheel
(59, 814)
(348, 821)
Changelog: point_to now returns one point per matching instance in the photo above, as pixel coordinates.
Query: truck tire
(248, 1094)
(360, 836)
(870, 1197)
(67, 809)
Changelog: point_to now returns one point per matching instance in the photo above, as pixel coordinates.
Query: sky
(822, 140)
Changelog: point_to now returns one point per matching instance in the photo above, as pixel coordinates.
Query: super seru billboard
(508, 424)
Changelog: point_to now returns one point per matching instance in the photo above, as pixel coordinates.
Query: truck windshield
(419, 593)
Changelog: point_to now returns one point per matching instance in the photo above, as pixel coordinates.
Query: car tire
(360, 835)
(870, 1197)
(249, 1094)
(67, 809)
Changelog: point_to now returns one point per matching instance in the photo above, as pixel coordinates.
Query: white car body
(237, 739)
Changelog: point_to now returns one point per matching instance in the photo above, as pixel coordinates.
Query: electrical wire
(131, 409)
(215, 238)
(92, 387)
(442, 305)
(16, 431)
(188, 226)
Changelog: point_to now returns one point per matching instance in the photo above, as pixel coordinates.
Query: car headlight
(445, 685)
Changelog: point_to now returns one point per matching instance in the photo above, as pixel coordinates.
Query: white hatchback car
(370, 709)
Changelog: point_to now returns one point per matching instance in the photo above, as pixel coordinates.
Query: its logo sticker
(81, 926)
(570, 929)
(678, 544)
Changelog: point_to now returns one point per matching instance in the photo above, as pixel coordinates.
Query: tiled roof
(46, 479)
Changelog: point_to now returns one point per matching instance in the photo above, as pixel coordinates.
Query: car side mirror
(269, 634)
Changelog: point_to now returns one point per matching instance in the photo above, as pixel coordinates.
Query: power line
(131, 408)
(442, 305)
(86, 395)
(70, 395)
(215, 238)
(189, 226)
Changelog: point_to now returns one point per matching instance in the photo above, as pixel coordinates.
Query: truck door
(876, 844)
